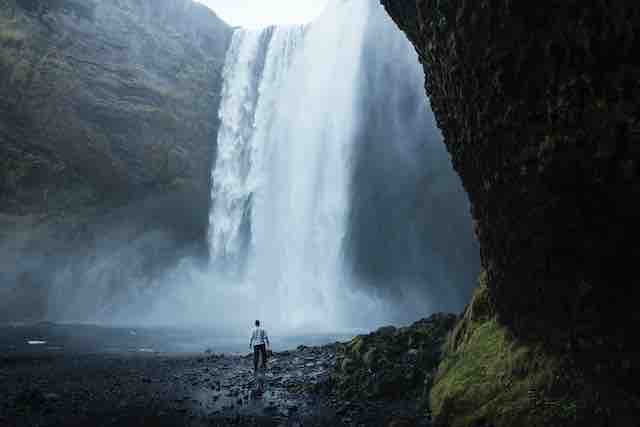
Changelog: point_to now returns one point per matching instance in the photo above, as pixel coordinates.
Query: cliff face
(539, 107)
(108, 115)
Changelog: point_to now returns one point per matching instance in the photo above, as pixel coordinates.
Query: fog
(334, 205)
(260, 14)
(409, 235)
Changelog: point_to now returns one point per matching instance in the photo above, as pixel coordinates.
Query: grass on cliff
(10, 36)
(491, 370)
(486, 376)
(10, 32)
(11, 39)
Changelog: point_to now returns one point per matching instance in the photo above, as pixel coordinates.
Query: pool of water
(81, 338)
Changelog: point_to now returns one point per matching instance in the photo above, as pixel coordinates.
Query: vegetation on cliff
(108, 121)
(391, 363)
(129, 117)
(539, 106)
(490, 377)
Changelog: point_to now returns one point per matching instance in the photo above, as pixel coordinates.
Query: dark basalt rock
(539, 104)
(392, 363)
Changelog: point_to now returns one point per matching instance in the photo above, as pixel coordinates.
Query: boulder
(391, 363)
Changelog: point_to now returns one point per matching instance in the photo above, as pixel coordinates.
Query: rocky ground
(155, 390)
(310, 386)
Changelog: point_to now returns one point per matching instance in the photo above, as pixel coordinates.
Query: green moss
(392, 363)
(167, 120)
(492, 377)
(486, 375)
(356, 345)
(10, 36)
(12, 171)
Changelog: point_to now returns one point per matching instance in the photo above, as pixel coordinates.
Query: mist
(334, 206)
(334, 203)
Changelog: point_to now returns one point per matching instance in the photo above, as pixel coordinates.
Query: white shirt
(259, 336)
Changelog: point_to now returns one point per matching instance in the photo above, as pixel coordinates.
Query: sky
(262, 13)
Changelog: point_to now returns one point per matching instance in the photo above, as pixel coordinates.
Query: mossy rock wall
(489, 377)
(392, 363)
(539, 105)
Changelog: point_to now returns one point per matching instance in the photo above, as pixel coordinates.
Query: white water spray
(231, 190)
(333, 204)
(288, 124)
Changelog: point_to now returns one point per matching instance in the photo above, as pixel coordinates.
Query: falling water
(231, 189)
(281, 180)
(330, 178)
(334, 203)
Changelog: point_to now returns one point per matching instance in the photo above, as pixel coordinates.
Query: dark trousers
(259, 350)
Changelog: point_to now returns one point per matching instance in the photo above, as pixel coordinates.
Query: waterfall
(334, 202)
(254, 73)
(281, 178)
(231, 190)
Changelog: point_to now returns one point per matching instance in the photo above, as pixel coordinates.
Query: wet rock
(347, 364)
(271, 409)
(342, 410)
(391, 363)
(402, 422)
(369, 357)
(528, 141)
(30, 398)
(386, 330)
(52, 397)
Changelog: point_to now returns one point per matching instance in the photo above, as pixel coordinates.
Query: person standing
(259, 343)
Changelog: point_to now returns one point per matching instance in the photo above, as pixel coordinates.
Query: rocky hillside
(539, 104)
(108, 115)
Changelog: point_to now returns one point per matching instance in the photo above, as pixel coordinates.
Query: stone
(346, 364)
(379, 366)
(369, 358)
(535, 303)
(401, 422)
(52, 397)
(386, 330)
(537, 128)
